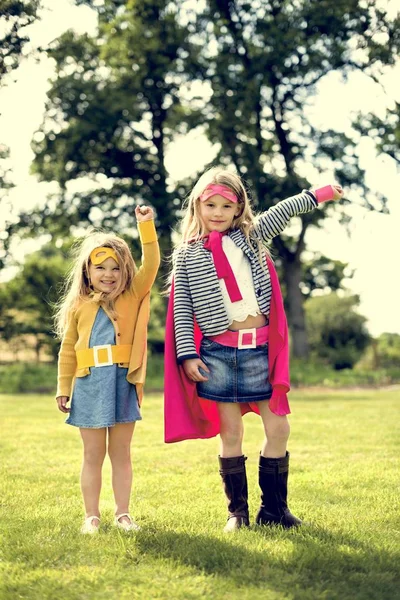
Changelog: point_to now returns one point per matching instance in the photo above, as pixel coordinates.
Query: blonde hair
(191, 226)
(77, 287)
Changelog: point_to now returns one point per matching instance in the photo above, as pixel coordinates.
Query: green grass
(344, 482)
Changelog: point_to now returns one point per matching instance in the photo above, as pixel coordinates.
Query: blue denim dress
(104, 397)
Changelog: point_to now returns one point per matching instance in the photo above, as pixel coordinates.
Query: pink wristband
(325, 193)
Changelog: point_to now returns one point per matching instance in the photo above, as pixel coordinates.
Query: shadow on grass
(316, 563)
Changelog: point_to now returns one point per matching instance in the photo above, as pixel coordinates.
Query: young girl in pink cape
(226, 345)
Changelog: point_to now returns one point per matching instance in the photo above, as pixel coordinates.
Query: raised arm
(273, 221)
(147, 272)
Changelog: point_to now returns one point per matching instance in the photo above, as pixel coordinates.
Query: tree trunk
(294, 306)
(38, 346)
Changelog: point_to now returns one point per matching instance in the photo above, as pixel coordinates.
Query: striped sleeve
(273, 221)
(183, 310)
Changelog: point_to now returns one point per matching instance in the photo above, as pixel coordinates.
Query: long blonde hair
(191, 225)
(77, 287)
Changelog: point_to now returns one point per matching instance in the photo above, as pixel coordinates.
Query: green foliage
(388, 350)
(343, 482)
(16, 15)
(109, 116)
(383, 353)
(5, 183)
(315, 373)
(117, 101)
(27, 301)
(32, 378)
(23, 378)
(385, 132)
(120, 97)
(322, 273)
(337, 333)
(262, 61)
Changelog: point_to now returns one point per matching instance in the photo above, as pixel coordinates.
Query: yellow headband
(99, 255)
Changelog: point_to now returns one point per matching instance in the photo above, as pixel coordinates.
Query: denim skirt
(105, 397)
(235, 375)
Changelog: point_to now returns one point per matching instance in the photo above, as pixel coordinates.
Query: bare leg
(119, 450)
(277, 431)
(94, 451)
(231, 429)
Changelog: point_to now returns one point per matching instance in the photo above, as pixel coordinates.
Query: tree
(118, 99)
(109, 118)
(383, 352)
(322, 273)
(16, 15)
(388, 350)
(337, 333)
(27, 300)
(262, 61)
(385, 132)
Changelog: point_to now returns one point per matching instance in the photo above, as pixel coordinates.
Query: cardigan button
(120, 364)
(118, 334)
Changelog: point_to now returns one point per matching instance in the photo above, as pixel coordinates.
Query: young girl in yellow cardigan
(102, 321)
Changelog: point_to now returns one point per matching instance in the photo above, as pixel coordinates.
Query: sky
(372, 245)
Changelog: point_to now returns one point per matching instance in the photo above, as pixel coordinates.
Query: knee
(232, 434)
(279, 429)
(119, 454)
(94, 456)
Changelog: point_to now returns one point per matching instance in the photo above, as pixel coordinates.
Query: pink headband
(214, 188)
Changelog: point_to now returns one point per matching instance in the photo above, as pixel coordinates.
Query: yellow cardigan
(132, 309)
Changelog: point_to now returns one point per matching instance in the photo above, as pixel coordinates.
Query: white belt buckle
(242, 332)
(96, 356)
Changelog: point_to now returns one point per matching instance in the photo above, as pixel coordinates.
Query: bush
(307, 373)
(41, 378)
(387, 350)
(17, 378)
(337, 333)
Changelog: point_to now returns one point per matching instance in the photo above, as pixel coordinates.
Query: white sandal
(132, 526)
(88, 527)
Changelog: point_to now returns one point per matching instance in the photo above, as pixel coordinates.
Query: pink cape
(186, 416)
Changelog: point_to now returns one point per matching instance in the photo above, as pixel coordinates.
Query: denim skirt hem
(236, 400)
(101, 426)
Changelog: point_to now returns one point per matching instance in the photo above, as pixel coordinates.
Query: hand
(328, 192)
(338, 192)
(144, 213)
(62, 404)
(191, 368)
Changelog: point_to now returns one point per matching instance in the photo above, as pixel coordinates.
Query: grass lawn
(344, 482)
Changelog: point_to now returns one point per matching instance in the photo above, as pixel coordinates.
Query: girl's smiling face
(217, 213)
(106, 276)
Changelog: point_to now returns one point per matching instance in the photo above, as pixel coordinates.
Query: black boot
(234, 481)
(273, 477)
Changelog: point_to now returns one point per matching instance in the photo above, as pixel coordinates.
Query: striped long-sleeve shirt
(197, 291)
